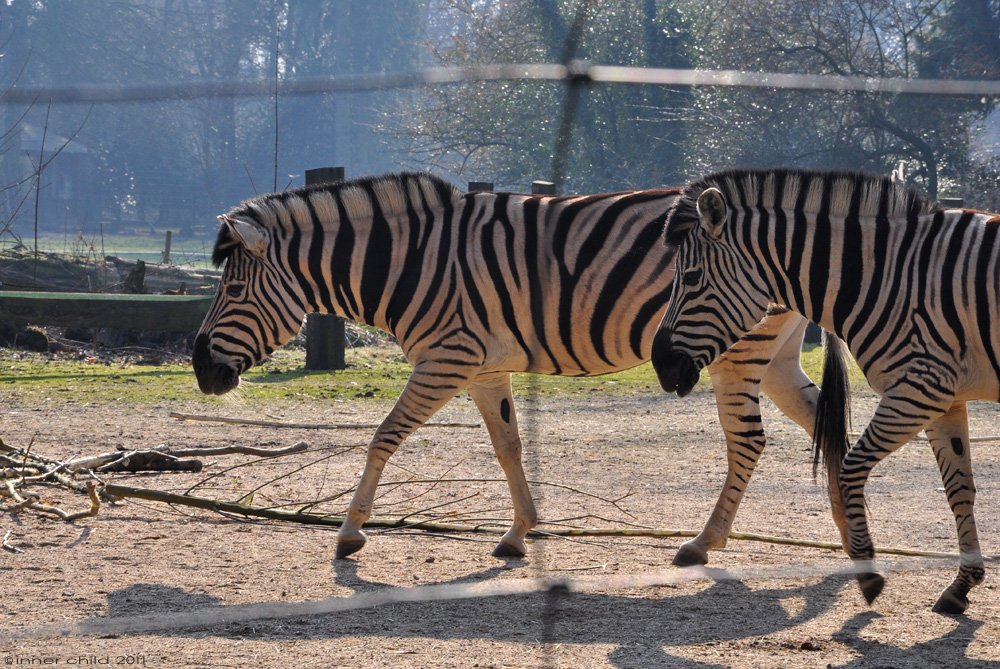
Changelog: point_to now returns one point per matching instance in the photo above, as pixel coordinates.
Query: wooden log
(158, 313)
(150, 461)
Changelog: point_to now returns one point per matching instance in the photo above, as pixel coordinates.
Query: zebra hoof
(506, 550)
(690, 556)
(349, 546)
(951, 603)
(871, 584)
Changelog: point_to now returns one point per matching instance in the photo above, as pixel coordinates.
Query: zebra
(910, 287)
(475, 287)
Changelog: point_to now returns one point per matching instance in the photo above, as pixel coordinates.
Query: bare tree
(875, 38)
(506, 131)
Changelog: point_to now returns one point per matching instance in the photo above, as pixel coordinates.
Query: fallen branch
(19, 503)
(220, 506)
(31, 502)
(395, 523)
(163, 458)
(95, 506)
(243, 450)
(154, 459)
(150, 461)
(7, 547)
(403, 482)
(303, 426)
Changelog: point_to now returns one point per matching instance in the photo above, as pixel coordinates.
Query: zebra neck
(349, 277)
(801, 258)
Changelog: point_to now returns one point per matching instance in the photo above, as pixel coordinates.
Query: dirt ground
(190, 567)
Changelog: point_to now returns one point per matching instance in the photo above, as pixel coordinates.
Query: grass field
(183, 251)
(372, 373)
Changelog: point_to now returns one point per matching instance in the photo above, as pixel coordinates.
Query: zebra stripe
(476, 287)
(911, 288)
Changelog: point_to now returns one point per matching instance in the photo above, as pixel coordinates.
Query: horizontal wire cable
(576, 71)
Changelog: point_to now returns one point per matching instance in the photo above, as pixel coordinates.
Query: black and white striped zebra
(912, 289)
(475, 287)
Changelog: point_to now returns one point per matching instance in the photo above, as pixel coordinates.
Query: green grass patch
(183, 251)
(373, 374)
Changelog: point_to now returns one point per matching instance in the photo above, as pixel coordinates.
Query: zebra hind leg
(949, 436)
(492, 395)
(900, 416)
(429, 388)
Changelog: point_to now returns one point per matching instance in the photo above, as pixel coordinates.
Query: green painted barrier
(155, 313)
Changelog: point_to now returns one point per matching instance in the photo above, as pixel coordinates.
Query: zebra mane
(762, 188)
(356, 197)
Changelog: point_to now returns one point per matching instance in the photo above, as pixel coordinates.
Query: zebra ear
(252, 237)
(712, 211)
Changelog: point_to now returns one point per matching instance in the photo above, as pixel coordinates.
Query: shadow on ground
(642, 628)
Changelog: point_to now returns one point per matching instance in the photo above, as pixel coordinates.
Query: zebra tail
(832, 409)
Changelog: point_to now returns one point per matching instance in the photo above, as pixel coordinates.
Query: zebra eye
(235, 289)
(692, 277)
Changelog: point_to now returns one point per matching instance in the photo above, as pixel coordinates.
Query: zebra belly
(565, 366)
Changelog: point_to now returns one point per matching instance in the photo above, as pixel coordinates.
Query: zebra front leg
(492, 395)
(949, 436)
(766, 358)
(429, 388)
(901, 414)
(736, 381)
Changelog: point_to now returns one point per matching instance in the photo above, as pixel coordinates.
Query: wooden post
(485, 186)
(325, 338)
(166, 248)
(324, 175)
(814, 334)
(543, 188)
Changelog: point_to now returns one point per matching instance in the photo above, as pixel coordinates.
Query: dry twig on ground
(303, 426)
(432, 526)
(21, 468)
(7, 547)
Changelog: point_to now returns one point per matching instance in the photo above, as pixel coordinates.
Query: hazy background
(176, 164)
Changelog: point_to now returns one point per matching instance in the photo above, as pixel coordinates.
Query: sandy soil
(193, 568)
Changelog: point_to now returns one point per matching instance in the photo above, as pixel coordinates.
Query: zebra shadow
(947, 650)
(641, 628)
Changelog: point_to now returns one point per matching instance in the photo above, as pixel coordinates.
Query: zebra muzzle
(214, 378)
(675, 370)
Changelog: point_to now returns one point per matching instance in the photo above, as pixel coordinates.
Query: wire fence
(576, 75)
(575, 72)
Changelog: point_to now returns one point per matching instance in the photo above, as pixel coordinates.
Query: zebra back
(870, 259)
(560, 285)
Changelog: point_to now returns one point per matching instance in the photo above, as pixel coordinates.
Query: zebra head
(255, 311)
(716, 296)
